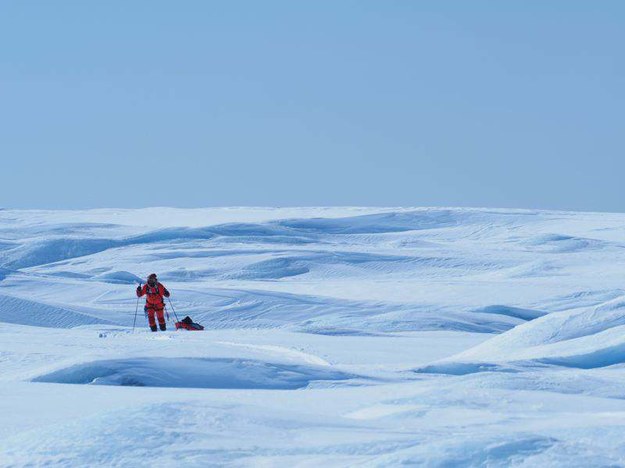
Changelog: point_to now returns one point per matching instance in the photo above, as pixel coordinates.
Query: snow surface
(334, 336)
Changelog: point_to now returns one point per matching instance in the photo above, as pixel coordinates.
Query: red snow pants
(159, 315)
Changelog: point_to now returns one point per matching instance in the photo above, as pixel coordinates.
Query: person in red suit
(154, 302)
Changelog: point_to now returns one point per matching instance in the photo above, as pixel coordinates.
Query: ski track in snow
(334, 336)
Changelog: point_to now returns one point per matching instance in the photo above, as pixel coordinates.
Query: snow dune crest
(587, 338)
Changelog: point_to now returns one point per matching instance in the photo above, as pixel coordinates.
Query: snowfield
(334, 337)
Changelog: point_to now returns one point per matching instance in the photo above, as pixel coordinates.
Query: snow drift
(587, 338)
(194, 373)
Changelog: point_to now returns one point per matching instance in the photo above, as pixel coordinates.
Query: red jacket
(155, 295)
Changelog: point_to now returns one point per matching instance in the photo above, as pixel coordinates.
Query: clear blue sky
(205, 103)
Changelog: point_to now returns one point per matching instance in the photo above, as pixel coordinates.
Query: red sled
(188, 324)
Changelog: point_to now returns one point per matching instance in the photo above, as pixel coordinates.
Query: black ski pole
(136, 311)
(173, 310)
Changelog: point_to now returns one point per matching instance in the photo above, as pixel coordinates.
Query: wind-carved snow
(590, 337)
(193, 373)
(338, 336)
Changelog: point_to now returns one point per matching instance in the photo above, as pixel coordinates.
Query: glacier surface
(334, 336)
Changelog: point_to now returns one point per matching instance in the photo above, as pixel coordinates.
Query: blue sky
(415, 103)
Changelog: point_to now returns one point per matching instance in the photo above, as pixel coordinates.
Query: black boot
(163, 326)
(153, 328)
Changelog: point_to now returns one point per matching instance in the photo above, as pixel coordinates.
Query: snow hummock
(192, 373)
(338, 336)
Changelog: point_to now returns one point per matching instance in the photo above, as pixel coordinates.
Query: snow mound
(560, 327)
(460, 368)
(24, 312)
(591, 359)
(517, 312)
(119, 277)
(194, 373)
(586, 338)
(559, 243)
(271, 232)
(377, 223)
(53, 250)
(274, 268)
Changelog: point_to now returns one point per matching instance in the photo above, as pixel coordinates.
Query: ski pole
(136, 311)
(173, 310)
